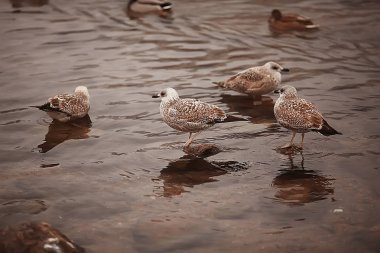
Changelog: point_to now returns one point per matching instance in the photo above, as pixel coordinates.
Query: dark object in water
(23, 3)
(35, 237)
(201, 150)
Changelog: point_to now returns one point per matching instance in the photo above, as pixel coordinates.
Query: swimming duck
(140, 7)
(281, 22)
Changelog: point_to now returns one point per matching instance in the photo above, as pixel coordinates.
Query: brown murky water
(123, 184)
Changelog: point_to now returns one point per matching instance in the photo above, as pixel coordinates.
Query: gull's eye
(282, 90)
(163, 93)
(275, 67)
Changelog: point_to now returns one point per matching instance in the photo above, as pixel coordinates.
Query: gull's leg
(303, 135)
(189, 140)
(257, 100)
(291, 142)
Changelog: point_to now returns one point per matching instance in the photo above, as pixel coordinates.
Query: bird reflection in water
(18, 4)
(188, 171)
(297, 185)
(244, 105)
(60, 132)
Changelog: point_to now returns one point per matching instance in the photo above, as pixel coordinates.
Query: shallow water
(123, 183)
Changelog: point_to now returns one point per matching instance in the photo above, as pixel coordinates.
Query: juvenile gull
(256, 81)
(66, 107)
(299, 115)
(188, 115)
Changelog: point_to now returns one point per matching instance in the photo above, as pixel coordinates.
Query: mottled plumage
(281, 22)
(136, 8)
(66, 107)
(188, 115)
(299, 115)
(255, 81)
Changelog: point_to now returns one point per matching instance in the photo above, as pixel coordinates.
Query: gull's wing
(195, 111)
(299, 113)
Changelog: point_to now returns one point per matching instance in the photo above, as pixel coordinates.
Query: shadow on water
(244, 105)
(188, 171)
(296, 185)
(59, 132)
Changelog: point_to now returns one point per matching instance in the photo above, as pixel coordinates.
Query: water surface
(123, 183)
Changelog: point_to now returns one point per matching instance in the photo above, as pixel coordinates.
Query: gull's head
(274, 67)
(167, 94)
(287, 91)
(83, 90)
(276, 14)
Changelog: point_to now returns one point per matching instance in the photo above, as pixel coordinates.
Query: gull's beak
(276, 91)
(285, 70)
(156, 96)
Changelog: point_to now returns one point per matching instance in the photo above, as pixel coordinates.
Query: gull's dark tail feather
(231, 118)
(44, 107)
(47, 108)
(327, 130)
(220, 84)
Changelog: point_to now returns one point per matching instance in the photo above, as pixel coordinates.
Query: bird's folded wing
(299, 114)
(247, 78)
(192, 110)
(69, 104)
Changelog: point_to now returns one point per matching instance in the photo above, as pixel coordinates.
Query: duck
(137, 8)
(288, 22)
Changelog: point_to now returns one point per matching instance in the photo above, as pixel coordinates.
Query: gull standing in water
(256, 81)
(67, 107)
(299, 115)
(188, 115)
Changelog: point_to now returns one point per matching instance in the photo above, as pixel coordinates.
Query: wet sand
(121, 181)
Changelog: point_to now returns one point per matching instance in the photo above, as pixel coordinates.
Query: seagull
(188, 115)
(66, 107)
(299, 115)
(161, 7)
(255, 81)
(278, 21)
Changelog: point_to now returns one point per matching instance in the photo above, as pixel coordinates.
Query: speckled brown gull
(188, 115)
(299, 115)
(256, 81)
(67, 107)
